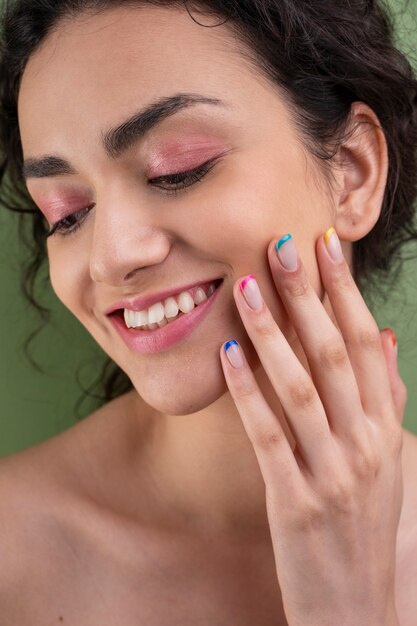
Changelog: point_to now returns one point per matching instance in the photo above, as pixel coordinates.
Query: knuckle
(338, 493)
(302, 393)
(264, 326)
(299, 288)
(364, 456)
(309, 520)
(369, 338)
(366, 463)
(267, 439)
(333, 355)
(307, 516)
(342, 277)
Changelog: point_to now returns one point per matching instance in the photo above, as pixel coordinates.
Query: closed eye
(169, 183)
(179, 181)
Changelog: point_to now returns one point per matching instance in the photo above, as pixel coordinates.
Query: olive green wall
(35, 406)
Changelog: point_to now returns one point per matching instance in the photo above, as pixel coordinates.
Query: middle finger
(326, 353)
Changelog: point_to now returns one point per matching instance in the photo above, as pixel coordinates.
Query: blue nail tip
(282, 241)
(230, 343)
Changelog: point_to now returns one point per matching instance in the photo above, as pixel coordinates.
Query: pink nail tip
(245, 281)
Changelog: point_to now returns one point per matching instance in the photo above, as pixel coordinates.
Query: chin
(175, 397)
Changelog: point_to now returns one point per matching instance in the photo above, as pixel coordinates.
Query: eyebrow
(118, 140)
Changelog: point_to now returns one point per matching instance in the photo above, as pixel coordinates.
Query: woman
(214, 181)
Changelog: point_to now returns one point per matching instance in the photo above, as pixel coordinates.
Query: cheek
(66, 278)
(247, 208)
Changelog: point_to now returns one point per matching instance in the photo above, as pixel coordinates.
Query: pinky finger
(276, 459)
(398, 388)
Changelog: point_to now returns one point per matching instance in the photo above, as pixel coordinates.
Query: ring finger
(292, 384)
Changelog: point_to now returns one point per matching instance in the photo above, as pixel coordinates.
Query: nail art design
(333, 244)
(287, 253)
(393, 339)
(233, 353)
(249, 288)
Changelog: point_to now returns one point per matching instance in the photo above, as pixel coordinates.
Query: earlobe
(363, 170)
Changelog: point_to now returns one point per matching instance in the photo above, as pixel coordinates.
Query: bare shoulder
(54, 528)
(39, 485)
(25, 499)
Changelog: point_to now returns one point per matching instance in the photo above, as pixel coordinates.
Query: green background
(35, 406)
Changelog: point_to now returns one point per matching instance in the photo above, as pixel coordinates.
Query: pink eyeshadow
(57, 208)
(182, 155)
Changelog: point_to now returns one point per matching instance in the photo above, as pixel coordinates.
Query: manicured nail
(287, 253)
(249, 288)
(333, 245)
(393, 339)
(234, 354)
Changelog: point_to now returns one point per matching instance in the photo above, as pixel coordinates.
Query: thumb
(398, 388)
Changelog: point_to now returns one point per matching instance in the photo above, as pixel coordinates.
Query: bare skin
(153, 509)
(86, 559)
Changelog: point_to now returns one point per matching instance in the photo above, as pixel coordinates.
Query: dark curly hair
(323, 55)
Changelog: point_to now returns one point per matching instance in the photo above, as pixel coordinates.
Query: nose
(125, 240)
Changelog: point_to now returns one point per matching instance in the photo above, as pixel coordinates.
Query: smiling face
(138, 236)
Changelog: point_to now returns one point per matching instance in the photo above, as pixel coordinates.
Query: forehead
(92, 70)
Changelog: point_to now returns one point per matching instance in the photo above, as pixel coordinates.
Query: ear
(361, 174)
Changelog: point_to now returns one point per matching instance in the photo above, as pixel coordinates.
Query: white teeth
(136, 318)
(156, 313)
(185, 302)
(200, 296)
(171, 307)
(160, 314)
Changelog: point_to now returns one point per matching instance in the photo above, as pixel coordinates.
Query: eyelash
(186, 179)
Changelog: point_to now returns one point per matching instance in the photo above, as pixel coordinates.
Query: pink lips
(161, 339)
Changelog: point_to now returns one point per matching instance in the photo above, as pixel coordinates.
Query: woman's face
(93, 74)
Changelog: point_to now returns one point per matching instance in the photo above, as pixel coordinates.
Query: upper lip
(144, 302)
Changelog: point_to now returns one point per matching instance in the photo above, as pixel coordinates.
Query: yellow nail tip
(328, 234)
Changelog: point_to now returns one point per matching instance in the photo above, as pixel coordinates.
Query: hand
(334, 502)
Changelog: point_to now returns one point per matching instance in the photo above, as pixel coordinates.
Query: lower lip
(161, 339)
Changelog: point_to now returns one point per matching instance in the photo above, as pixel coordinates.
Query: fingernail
(249, 288)
(333, 246)
(234, 354)
(393, 339)
(287, 253)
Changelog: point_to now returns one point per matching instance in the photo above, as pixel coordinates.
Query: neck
(202, 470)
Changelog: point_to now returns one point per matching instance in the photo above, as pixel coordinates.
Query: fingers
(322, 343)
(291, 382)
(349, 373)
(359, 329)
(398, 388)
(273, 451)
